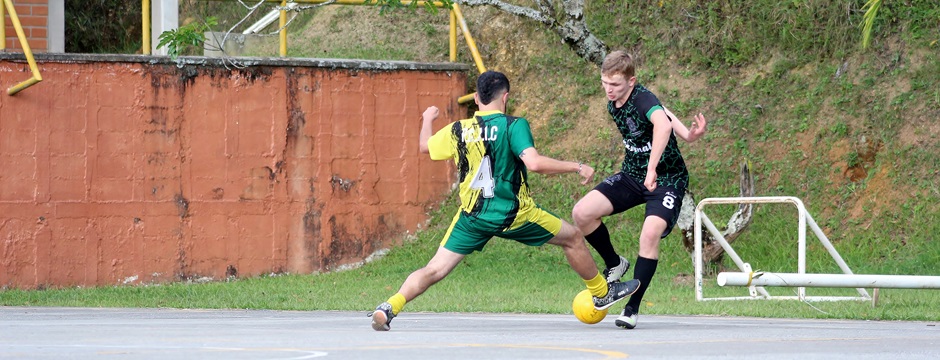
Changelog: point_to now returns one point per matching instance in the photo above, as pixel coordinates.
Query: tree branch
(567, 22)
(513, 9)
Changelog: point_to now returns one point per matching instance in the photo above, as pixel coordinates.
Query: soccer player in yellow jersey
(493, 152)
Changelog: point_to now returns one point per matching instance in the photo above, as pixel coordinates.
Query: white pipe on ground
(828, 280)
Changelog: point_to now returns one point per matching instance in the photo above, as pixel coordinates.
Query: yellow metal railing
(145, 6)
(456, 17)
(8, 5)
(282, 25)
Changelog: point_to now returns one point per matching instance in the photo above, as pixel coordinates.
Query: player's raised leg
(416, 284)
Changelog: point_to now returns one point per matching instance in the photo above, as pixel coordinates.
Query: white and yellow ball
(583, 308)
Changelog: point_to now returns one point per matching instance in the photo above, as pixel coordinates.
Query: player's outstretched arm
(429, 115)
(662, 129)
(546, 165)
(688, 134)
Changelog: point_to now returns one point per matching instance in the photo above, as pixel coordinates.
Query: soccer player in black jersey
(653, 173)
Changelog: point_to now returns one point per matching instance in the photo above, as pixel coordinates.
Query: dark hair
(491, 84)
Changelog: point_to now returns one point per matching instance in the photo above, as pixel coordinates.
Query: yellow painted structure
(8, 4)
(283, 28)
(145, 20)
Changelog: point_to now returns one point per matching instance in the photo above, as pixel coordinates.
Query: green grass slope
(785, 85)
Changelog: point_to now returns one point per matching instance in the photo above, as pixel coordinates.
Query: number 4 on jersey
(483, 179)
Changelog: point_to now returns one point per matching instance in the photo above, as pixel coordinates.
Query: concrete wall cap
(352, 64)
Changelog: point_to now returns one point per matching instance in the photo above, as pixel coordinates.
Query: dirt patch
(921, 128)
(920, 132)
(683, 279)
(879, 192)
(838, 154)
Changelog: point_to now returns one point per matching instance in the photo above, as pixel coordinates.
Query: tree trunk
(568, 22)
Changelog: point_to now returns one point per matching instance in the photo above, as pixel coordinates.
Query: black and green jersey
(492, 177)
(633, 120)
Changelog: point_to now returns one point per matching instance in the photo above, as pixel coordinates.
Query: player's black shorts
(624, 193)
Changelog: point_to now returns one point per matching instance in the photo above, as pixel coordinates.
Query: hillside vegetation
(785, 87)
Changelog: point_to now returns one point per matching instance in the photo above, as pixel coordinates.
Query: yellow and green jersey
(492, 177)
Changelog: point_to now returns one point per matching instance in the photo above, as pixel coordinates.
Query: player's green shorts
(533, 227)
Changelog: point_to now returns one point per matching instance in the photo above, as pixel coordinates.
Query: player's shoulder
(644, 98)
(512, 119)
(643, 93)
(502, 115)
(450, 126)
(506, 119)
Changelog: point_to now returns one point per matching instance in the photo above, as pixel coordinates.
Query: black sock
(600, 241)
(643, 270)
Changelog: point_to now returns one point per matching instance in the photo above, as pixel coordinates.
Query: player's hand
(586, 172)
(650, 182)
(698, 127)
(431, 113)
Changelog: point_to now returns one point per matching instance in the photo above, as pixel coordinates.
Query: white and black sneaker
(382, 317)
(616, 291)
(627, 318)
(615, 273)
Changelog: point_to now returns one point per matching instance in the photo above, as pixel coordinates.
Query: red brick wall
(120, 172)
(33, 15)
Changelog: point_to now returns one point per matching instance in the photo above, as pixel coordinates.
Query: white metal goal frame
(804, 219)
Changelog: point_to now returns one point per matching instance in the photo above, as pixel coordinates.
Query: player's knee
(650, 235)
(432, 274)
(573, 246)
(649, 245)
(580, 215)
(568, 237)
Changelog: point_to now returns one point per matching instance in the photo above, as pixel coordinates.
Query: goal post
(756, 289)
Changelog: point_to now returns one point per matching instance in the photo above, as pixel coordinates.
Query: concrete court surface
(95, 333)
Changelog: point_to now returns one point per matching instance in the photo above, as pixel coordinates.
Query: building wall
(131, 169)
(34, 17)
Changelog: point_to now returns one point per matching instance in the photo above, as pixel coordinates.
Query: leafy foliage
(102, 26)
(192, 34)
(871, 13)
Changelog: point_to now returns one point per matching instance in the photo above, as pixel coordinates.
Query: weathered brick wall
(124, 169)
(33, 15)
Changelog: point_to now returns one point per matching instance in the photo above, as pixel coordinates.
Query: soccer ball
(583, 308)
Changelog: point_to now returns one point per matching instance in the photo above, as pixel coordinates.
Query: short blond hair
(619, 63)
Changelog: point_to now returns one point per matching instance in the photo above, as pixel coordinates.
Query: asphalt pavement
(95, 333)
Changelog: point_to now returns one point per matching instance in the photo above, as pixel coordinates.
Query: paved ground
(80, 333)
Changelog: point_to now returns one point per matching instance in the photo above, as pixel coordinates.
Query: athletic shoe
(627, 319)
(615, 292)
(382, 316)
(615, 273)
